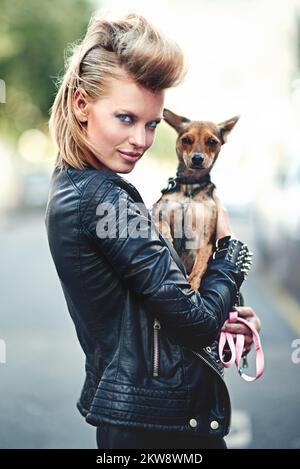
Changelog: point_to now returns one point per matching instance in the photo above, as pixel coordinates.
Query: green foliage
(34, 36)
(163, 147)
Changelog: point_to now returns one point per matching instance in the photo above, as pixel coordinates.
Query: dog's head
(198, 143)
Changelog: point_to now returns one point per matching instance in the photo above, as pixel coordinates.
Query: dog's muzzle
(197, 160)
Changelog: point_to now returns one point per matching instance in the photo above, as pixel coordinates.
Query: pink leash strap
(236, 348)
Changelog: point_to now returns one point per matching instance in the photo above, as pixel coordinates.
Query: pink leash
(236, 348)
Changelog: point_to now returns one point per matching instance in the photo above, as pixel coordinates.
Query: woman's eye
(153, 125)
(127, 119)
(124, 118)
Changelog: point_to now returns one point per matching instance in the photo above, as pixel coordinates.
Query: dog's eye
(186, 141)
(211, 142)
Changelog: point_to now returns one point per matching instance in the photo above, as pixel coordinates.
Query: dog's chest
(192, 222)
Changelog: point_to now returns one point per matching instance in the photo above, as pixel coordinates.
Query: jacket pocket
(167, 358)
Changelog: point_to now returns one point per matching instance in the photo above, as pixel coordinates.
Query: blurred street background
(243, 58)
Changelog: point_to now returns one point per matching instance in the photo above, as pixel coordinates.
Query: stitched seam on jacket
(142, 403)
(223, 309)
(137, 394)
(75, 185)
(121, 344)
(113, 183)
(137, 387)
(195, 306)
(96, 190)
(93, 195)
(88, 204)
(146, 413)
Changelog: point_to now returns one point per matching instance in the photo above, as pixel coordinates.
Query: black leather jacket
(149, 340)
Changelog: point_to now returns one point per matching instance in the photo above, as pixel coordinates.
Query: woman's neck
(94, 162)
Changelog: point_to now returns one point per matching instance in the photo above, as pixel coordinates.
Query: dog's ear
(226, 127)
(174, 120)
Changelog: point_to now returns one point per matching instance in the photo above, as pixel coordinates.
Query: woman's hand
(223, 224)
(238, 328)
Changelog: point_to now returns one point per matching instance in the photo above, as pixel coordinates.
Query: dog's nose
(197, 159)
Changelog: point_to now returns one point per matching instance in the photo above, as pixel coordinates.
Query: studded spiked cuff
(235, 251)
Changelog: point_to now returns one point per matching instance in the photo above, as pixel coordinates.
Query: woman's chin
(125, 171)
(124, 168)
(119, 167)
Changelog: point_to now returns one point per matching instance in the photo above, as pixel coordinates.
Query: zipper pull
(156, 324)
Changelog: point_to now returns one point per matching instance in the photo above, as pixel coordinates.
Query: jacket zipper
(223, 382)
(156, 329)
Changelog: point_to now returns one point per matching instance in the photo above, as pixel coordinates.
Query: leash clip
(245, 361)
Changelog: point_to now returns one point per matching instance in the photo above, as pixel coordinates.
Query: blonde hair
(130, 44)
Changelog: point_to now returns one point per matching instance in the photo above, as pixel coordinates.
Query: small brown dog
(186, 212)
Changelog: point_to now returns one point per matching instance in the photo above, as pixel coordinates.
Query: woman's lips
(132, 159)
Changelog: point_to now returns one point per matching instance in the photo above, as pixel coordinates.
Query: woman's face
(122, 124)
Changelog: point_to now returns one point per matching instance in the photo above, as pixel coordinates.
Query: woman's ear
(80, 104)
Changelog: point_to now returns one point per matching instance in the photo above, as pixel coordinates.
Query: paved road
(266, 412)
(43, 373)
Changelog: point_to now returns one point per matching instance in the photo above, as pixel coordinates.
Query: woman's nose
(138, 137)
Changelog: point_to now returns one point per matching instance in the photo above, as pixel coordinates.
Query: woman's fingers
(237, 328)
(248, 340)
(245, 311)
(248, 313)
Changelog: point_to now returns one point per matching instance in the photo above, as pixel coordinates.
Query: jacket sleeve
(125, 236)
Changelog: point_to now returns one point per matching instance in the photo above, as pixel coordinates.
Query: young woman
(153, 377)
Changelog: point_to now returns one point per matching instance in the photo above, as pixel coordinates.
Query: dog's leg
(161, 222)
(165, 230)
(200, 266)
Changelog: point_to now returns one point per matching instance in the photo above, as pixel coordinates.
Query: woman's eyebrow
(158, 119)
